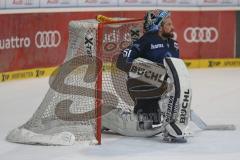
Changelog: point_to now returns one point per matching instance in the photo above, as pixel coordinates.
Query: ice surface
(216, 97)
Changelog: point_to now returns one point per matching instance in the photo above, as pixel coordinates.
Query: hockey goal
(85, 87)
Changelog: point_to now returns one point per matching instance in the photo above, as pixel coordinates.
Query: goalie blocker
(171, 83)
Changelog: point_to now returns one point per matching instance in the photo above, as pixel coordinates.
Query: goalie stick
(202, 125)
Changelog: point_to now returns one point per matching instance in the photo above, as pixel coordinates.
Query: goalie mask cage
(85, 87)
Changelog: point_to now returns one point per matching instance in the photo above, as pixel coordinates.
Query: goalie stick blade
(221, 127)
(202, 125)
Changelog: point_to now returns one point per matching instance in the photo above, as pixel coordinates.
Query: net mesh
(70, 103)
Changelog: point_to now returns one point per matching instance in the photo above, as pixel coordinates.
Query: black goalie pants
(148, 109)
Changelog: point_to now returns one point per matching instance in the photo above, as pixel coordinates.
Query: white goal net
(84, 88)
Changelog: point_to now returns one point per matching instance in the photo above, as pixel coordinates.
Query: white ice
(216, 97)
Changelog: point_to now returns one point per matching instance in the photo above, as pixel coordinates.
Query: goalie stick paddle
(202, 125)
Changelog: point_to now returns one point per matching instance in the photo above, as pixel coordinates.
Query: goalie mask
(153, 19)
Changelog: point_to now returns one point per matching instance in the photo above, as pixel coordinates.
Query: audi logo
(201, 34)
(47, 39)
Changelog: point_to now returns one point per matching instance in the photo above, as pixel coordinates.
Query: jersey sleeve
(176, 47)
(132, 52)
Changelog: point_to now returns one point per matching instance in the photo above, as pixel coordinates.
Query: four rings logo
(201, 34)
(47, 39)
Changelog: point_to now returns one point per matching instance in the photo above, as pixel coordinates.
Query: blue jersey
(152, 47)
